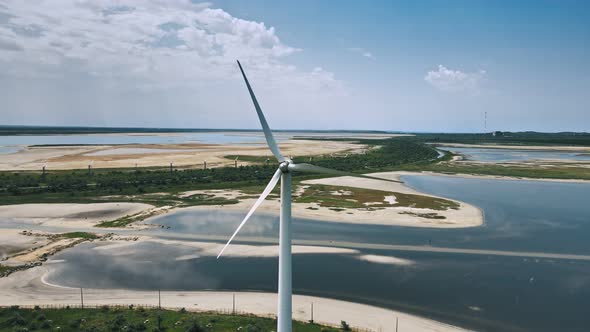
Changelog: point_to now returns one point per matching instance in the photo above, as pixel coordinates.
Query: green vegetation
(499, 138)
(507, 138)
(123, 221)
(4, 269)
(7, 270)
(79, 235)
(424, 215)
(338, 198)
(137, 319)
(110, 185)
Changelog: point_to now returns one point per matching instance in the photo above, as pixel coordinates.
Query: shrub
(195, 327)
(252, 328)
(75, 323)
(344, 326)
(16, 320)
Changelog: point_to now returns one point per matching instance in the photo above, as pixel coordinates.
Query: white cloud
(361, 51)
(450, 80)
(156, 42)
(148, 63)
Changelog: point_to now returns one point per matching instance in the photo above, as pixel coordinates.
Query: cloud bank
(158, 41)
(104, 55)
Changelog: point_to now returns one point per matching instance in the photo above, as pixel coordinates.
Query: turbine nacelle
(285, 166)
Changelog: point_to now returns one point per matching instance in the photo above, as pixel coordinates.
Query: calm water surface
(506, 155)
(519, 215)
(9, 149)
(108, 139)
(489, 293)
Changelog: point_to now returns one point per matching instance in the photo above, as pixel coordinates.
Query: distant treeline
(69, 185)
(498, 137)
(42, 130)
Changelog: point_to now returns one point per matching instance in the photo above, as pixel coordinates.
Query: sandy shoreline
(181, 155)
(68, 215)
(88, 215)
(466, 216)
(29, 288)
(500, 177)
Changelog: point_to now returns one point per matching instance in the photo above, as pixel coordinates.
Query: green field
(355, 198)
(16, 319)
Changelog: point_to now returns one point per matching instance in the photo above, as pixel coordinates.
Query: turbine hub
(284, 166)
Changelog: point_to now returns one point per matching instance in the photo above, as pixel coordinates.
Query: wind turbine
(285, 168)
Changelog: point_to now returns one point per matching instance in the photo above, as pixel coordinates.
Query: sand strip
(28, 288)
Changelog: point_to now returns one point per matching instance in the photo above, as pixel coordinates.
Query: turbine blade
(309, 168)
(270, 140)
(269, 187)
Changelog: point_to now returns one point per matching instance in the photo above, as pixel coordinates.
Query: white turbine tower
(283, 172)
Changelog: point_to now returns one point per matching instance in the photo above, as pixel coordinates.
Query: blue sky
(387, 65)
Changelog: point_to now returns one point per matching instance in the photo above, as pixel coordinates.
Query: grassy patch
(79, 235)
(7, 270)
(433, 215)
(335, 197)
(4, 269)
(425, 202)
(105, 319)
(123, 221)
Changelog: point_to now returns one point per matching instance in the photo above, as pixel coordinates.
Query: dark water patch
(532, 216)
(482, 292)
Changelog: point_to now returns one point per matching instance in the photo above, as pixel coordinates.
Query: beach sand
(466, 216)
(87, 215)
(28, 288)
(181, 155)
(68, 215)
(13, 241)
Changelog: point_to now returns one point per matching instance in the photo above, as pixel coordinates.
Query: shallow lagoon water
(120, 151)
(519, 215)
(9, 149)
(478, 291)
(508, 155)
(109, 139)
(486, 293)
